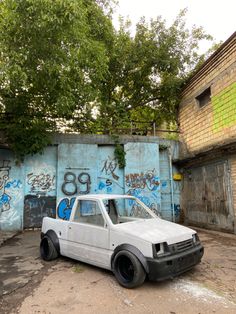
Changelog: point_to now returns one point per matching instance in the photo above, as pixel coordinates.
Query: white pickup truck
(120, 233)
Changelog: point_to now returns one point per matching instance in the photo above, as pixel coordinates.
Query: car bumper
(173, 265)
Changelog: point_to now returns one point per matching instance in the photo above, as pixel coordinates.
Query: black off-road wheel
(47, 249)
(128, 270)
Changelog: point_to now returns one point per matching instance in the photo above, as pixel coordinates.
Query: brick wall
(214, 123)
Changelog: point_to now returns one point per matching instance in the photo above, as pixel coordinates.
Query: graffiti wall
(11, 193)
(110, 178)
(142, 173)
(47, 184)
(40, 187)
(76, 173)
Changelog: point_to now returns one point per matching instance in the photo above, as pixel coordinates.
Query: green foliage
(163, 147)
(64, 68)
(119, 151)
(146, 72)
(53, 54)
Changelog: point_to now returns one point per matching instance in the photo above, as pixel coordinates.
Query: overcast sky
(218, 17)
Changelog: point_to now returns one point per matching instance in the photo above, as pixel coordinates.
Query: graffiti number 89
(69, 186)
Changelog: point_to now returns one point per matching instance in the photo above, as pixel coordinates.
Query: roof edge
(207, 61)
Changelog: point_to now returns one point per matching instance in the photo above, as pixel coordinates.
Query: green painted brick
(224, 108)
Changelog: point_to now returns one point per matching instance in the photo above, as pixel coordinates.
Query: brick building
(207, 119)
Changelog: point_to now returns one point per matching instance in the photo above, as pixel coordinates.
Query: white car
(120, 233)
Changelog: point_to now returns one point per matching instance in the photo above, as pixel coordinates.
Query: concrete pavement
(30, 285)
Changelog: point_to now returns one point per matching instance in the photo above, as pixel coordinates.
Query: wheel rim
(126, 268)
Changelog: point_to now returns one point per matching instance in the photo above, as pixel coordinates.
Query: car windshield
(123, 210)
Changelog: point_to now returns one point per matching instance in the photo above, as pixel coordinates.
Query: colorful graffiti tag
(64, 208)
(4, 176)
(145, 186)
(10, 197)
(143, 180)
(105, 186)
(7, 186)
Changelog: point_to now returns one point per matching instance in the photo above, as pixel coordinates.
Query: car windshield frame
(136, 209)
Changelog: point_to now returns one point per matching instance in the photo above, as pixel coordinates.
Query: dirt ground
(30, 285)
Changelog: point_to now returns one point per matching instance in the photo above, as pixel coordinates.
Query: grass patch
(78, 269)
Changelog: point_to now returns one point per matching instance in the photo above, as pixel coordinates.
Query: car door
(88, 234)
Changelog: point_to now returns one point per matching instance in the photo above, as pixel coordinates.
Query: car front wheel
(128, 270)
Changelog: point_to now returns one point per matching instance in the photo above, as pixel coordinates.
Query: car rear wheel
(128, 270)
(47, 249)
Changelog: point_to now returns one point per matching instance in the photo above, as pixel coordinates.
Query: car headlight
(195, 238)
(161, 249)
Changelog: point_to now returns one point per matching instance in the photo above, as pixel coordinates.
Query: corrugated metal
(207, 196)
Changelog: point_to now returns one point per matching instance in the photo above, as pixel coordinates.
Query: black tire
(128, 270)
(47, 249)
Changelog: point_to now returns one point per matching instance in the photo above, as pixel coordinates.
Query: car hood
(156, 230)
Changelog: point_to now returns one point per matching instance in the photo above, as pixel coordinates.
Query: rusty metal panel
(207, 195)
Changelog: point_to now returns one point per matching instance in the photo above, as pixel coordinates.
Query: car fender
(132, 249)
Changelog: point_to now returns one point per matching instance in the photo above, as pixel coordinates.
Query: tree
(65, 68)
(53, 53)
(146, 72)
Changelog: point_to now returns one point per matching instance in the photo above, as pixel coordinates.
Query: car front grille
(181, 246)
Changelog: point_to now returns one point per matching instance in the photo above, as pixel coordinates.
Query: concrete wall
(215, 122)
(46, 185)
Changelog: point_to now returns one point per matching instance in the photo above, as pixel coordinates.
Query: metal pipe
(171, 184)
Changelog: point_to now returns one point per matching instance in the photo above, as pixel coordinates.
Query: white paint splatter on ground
(197, 291)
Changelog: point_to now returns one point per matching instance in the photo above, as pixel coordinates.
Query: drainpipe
(171, 184)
